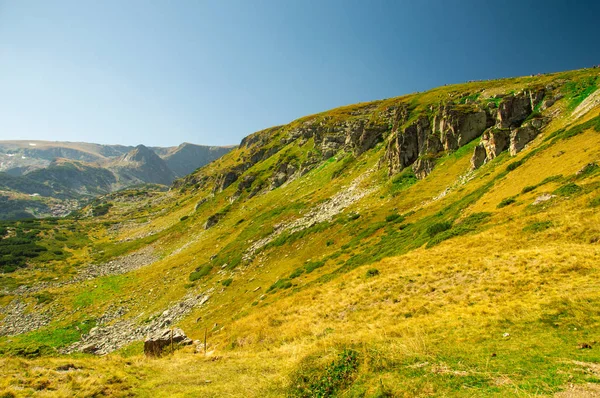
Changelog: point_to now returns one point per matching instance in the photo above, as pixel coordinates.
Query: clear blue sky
(211, 72)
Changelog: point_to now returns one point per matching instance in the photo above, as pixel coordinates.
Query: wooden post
(205, 331)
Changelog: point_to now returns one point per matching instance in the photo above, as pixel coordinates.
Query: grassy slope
(432, 321)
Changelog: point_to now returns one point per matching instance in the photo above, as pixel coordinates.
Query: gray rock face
(495, 141)
(458, 126)
(159, 340)
(479, 156)
(423, 167)
(513, 110)
(520, 137)
(452, 127)
(225, 180)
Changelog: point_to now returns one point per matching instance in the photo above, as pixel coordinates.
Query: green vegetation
(569, 189)
(506, 201)
(313, 381)
(200, 272)
(16, 251)
(403, 181)
(101, 210)
(578, 90)
(280, 284)
(538, 226)
(439, 227)
(372, 272)
(227, 282)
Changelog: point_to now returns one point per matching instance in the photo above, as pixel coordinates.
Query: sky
(211, 72)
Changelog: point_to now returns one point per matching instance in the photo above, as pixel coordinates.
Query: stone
(423, 167)
(89, 349)
(156, 342)
(495, 141)
(520, 137)
(513, 110)
(479, 157)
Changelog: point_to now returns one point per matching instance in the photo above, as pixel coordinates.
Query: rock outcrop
(418, 144)
(159, 340)
(520, 137)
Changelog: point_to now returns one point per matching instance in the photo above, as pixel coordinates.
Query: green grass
(578, 90)
(103, 289)
(538, 226)
(569, 189)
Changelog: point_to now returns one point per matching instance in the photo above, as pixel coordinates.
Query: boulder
(513, 110)
(495, 141)
(520, 137)
(422, 167)
(156, 342)
(459, 125)
(479, 157)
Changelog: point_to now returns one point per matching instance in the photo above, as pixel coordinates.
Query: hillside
(443, 243)
(56, 171)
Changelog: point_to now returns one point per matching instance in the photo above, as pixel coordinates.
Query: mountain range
(40, 178)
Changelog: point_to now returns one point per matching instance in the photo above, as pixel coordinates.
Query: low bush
(538, 226)
(569, 189)
(200, 272)
(312, 380)
(436, 228)
(505, 202)
(227, 282)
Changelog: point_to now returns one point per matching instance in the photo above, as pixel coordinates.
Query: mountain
(443, 243)
(80, 171)
(187, 157)
(141, 165)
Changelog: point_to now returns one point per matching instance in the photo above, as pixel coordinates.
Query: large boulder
(495, 141)
(513, 110)
(522, 136)
(422, 167)
(156, 342)
(479, 157)
(459, 124)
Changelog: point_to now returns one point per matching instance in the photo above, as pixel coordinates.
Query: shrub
(528, 189)
(43, 297)
(296, 273)
(314, 381)
(313, 265)
(227, 282)
(184, 218)
(436, 228)
(280, 284)
(353, 216)
(568, 190)
(595, 202)
(505, 202)
(394, 218)
(514, 165)
(538, 226)
(329, 242)
(200, 272)
(588, 170)
(372, 272)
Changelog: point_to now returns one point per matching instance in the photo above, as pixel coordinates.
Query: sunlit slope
(326, 274)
